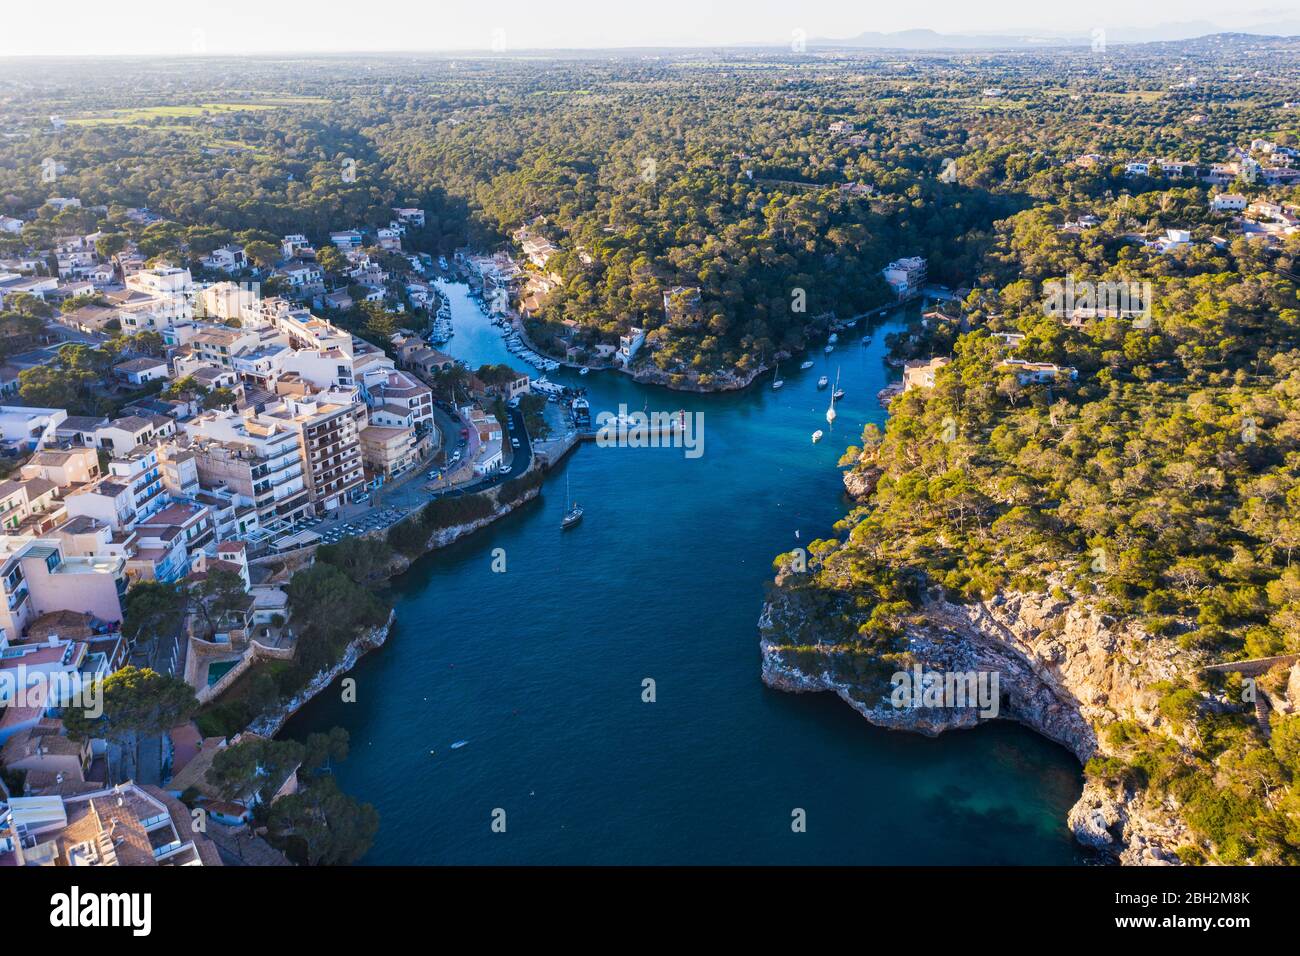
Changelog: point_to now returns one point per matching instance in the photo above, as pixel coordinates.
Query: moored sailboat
(574, 514)
(830, 412)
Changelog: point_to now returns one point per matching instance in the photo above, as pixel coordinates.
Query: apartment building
(172, 292)
(39, 677)
(30, 505)
(64, 467)
(180, 472)
(50, 761)
(29, 428)
(123, 435)
(141, 473)
(125, 825)
(226, 300)
(306, 331)
(38, 578)
(906, 277)
(331, 453)
(258, 460)
(219, 344)
(387, 451)
(393, 388)
(169, 540)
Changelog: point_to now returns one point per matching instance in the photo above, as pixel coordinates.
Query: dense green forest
(717, 173)
(1160, 486)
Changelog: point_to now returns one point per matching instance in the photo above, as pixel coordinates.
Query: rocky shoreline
(1064, 670)
(270, 724)
(724, 381)
(445, 536)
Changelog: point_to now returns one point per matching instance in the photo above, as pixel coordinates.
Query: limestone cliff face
(270, 724)
(400, 563)
(860, 483)
(1063, 670)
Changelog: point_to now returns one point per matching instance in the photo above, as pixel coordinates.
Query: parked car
(514, 443)
(505, 470)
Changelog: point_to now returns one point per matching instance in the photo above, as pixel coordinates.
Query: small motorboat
(817, 436)
(839, 393)
(806, 365)
(458, 744)
(833, 338)
(823, 382)
(584, 370)
(829, 349)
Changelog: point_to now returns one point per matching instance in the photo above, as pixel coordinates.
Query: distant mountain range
(932, 40)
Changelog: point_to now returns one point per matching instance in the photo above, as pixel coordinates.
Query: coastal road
(393, 502)
(522, 459)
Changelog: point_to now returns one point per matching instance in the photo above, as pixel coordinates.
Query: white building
(629, 345)
(906, 277)
(171, 289)
(1228, 202)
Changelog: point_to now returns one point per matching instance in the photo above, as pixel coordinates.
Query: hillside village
(229, 434)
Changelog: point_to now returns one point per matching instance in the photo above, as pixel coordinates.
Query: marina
(518, 663)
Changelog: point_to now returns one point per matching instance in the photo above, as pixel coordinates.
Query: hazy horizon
(243, 27)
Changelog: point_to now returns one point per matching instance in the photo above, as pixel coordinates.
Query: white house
(347, 240)
(228, 259)
(138, 371)
(1228, 202)
(629, 344)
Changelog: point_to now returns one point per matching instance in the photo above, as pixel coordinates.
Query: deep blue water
(540, 669)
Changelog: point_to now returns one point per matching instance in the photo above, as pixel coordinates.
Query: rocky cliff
(445, 536)
(1064, 670)
(270, 724)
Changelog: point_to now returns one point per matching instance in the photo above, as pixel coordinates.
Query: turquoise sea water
(540, 668)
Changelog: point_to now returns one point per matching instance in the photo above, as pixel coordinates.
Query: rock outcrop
(270, 724)
(860, 483)
(1063, 669)
(445, 536)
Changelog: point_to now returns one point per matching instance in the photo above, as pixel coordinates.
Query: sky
(221, 27)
